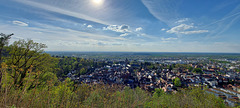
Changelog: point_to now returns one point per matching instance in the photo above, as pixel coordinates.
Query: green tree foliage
(198, 70)
(79, 65)
(177, 82)
(191, 98)
(190, 68)
(158, 92)
(3, 41)
(27, 58)
(82, 71)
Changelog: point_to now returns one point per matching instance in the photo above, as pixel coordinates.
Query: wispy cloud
(139, 29)
(223, 24)
(224, 18)
(182, 20)
(52, 33)
(180, 28)
(163, 29)
(20, 23)
(164, 10)
(89, 26)
(118, 28)
(125, 34)
(58, 38)
(123, 25)
(185, 29)
(168, 39)
(194, 32)
(64, 11)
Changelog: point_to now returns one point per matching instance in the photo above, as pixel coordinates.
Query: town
(218, 76)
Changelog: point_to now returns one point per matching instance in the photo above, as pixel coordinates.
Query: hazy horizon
(196, 26)
(141, 52)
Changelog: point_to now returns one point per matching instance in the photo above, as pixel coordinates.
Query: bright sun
(98, 2)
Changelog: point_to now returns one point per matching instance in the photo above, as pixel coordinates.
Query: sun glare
(98, 2)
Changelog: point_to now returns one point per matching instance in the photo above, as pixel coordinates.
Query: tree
(3, 41)
(82, 71)
(170, 68)
(27, 57)
(190, 68)
(177, 82)
(158, 92)
(198, 70)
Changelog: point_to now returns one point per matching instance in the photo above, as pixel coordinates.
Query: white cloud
(184, 29)
(139, 29)
(65, 11)
(55, 38)
(194, 32)
(89, 26)
(164, 10)
(163, 29)
(125, 34)
(19, 23)
(182, 20)
(118, 28)
(167, 39)
(180, 28)
(53, 33)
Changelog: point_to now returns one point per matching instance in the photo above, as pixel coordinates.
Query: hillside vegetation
(28, 79)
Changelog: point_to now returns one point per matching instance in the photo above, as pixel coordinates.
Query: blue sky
(125, 25)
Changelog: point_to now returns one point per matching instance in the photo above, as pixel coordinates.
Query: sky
(125, 25)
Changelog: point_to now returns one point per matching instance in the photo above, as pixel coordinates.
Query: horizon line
(142, 52)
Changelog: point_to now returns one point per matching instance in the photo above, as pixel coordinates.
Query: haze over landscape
(125, 25)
